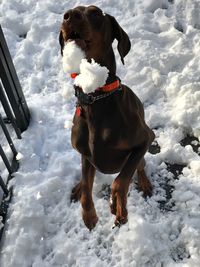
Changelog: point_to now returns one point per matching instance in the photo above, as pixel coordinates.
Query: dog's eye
(95, 16)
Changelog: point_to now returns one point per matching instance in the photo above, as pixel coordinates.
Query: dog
(109, 129)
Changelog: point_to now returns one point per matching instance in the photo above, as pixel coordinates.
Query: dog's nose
(73, 15)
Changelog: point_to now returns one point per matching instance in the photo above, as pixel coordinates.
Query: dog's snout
(73, 15)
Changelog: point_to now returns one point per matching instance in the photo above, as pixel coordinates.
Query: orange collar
(106, 88)
(73, 75)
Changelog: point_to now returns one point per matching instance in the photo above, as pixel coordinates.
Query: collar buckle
(83, 98)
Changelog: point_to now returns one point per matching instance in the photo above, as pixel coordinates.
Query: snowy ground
(163, 69)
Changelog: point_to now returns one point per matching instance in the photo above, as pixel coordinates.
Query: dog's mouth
(79, 39)
(74, 35)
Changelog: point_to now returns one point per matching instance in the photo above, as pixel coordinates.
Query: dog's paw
(90, 218)
(121, 220)
(146, 187)
(76, 193)
(144, 184)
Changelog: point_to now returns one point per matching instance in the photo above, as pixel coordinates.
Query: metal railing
(16, 113)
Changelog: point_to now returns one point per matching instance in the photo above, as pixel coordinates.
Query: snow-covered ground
(163, 68)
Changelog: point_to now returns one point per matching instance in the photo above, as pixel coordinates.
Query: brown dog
(109, 128)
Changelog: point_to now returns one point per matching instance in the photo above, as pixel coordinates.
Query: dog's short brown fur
(111, 134)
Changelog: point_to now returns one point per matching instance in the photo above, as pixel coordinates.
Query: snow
(72, 56)
(90, 74)
(91, 77)
(44, 229)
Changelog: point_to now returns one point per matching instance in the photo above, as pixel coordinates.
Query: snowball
(72, 56)
(91, 77)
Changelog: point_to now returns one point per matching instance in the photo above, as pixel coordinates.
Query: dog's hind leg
(88, 210)
(144, 184)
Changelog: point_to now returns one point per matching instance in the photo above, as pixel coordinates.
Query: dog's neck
(109, 61)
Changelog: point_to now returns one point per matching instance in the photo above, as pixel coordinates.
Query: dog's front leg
(88, 210)
(120, 185)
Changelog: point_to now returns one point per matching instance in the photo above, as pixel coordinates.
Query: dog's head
(94, 32)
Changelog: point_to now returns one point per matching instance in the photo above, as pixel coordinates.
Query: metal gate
(16, 113)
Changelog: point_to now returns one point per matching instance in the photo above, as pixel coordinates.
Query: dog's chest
(106, 135)
(90, 140)
(101, 128)
(114, 139)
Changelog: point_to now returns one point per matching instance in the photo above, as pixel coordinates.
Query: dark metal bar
(3, 212)
(5, 160)
(11, 93)
(11, 83)
(3, 186)
(15, 79)
(8, 111)
(10, 142)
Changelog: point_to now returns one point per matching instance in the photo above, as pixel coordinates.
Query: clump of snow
(195, 168)
(72, 56)
(92, 76)
(153, 5)
(19, 156)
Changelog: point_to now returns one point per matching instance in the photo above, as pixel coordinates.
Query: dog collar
(106, 88)
(99, 93)
(73, 75)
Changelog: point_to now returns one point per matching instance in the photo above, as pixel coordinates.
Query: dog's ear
(124, 44)
(61, 41)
